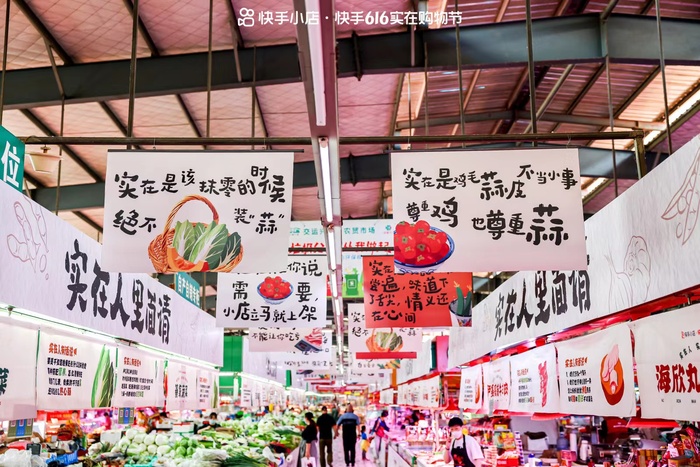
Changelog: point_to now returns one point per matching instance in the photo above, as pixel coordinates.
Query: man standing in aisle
(326, 426)
(349, 422)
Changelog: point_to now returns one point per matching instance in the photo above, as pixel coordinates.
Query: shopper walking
(308, 451)
(364, 443)
(379, 430)
(349, 423)
(326, 426)
(463, 450)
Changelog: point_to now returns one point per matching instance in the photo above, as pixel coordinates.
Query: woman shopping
(462, 449)
(308, 451)
(379, 430)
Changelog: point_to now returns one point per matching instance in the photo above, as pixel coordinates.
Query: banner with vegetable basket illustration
(74, 374)
(139, 379)
(380, 343)
(417, 301)
(17, 372)
(596, 373)
(294, 299)
(471, 388)
(288, 340)
(501, 210)
(166, 211)
(667, 353)
(41, 252)
(181, 384)
(533, 377)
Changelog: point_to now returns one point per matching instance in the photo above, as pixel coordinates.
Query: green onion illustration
(105, 380)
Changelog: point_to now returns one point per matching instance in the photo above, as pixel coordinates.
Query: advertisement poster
(417, 301)
(165, 211)
(471, 388)
(17, 372)
(667, 353)
(139, 379)
(596, 373)
(42, 252)
(294, 299)
(182, 386)
(381, 342)
(262, 364)
(325, 362)
(506, 210)
(533, 375)
(74, 374)
(207, 389)
(497, 385)
(374, 365)
(288, 340)
(325, 352)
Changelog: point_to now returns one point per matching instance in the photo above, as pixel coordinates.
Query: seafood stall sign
(167, 211)
(381, 342)
(294, 299)
(488, 210)
(534, 385)
(596, 373)
(667, 352)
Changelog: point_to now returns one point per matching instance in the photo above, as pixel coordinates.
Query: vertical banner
(17, 372)
(489, 210)
(533, 375)
(667, 353)
(188, 288)
(12, 160)
(182, 386)
(497, 383)
(165, 211)
(596, 374)
(293, 299)
(380, 343)
(471, 389)
(139, 379)
(412, 300)
(207, 390)
(74, 374)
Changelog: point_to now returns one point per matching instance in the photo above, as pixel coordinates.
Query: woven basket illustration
(158, 248)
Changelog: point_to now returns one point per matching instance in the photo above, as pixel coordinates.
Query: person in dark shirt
(309, 437)
(349, 421)
(326, 427)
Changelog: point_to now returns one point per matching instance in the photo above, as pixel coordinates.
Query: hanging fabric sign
(497, 384)
(533, 376)
(667, 352)
(596, 374)
(74, 374)
(293, 299)
(471, 388)
(182, 386)
(288, 340)
(207, 389)
(166, 212)
(139, 379)
(17, 372)
(489, 210)
(325, 352)
(380, 343)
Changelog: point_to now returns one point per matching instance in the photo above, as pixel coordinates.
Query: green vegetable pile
(210, 243)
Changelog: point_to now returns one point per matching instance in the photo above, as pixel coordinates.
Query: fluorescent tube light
(334, 284)
(316, 57)
(326, 178)
(331, 250)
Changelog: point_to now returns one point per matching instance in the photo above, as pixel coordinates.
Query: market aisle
(339, 459)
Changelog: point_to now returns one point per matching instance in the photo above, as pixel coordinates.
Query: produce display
(235, 443)
(420, 244)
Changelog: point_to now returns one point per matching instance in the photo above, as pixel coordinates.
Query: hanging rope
(662, 64)
(425, 99)
(132, 70)
(531, 68)
(459, 73)
(611, 111)
(5, 45)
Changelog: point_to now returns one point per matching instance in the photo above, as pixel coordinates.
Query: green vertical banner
(12, 159)
(188, 288)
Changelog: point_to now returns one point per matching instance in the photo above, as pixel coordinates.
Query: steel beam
(595, 162)
(563, 40)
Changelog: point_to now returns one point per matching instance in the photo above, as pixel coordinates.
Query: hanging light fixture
(44, 162)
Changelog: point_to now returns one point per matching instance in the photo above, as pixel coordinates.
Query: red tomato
(422, 260)
(432, 242)
(409, 254)
(403, 241)
(277, 280)
(443, 251)
(441, 237)
(422, 226)
(402, 228)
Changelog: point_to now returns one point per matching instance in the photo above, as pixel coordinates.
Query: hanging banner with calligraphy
(533, 375)
(288, 340)
(596, 373)
(471, 389)
(74, 374)
(181, 387)
(139, 379)
(323, 339)
(418, 301)
(667, 353)
(43, 253)
(377, 364)
(17, 372)
(165, 211)
(380, 343)
(369, 377)
(324, 363)
(497, 385)
(418, 367)
(508, 210)
(294, 299)
(626, 269)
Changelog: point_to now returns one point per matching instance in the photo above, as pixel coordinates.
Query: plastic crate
(66, 459)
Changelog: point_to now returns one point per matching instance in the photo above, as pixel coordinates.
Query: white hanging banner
(533, 376)
(139, 379)
(323, 363)
(74, 374)
(596, 374)
(667, 353)
(17, 372)
(325, 354)
(165, 211)
(369, 377)
(507, 210)
(207, 389)
(182, 386)
(497, 384)
(288, 340)
(293, 299)
(386, 396)
(379, 340)
(471, 388)
(263, 365)
(374, 365)
(43, 253)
